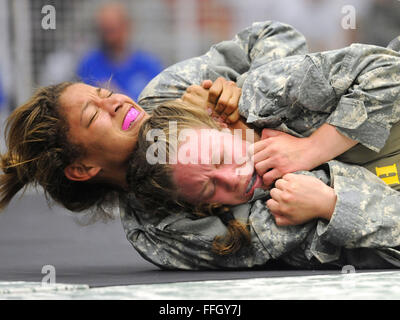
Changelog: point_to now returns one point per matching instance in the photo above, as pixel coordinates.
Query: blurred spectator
(381, 23)
(215, 21)
(129, 70)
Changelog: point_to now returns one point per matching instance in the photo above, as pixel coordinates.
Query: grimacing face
(231, 179)
(106, 124)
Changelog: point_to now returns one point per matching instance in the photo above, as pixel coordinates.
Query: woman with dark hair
(52, 143)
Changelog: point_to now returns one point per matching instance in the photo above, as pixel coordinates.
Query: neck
(115, 176)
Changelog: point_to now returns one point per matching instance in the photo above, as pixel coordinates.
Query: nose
(111, 104)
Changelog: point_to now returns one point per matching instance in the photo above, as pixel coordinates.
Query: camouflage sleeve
(367, 213)
(369, 85)
(355, 89)
(258, 44)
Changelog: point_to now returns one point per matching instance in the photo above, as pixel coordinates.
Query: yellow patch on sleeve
(388, 174)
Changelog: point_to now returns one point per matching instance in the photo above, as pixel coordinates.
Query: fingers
(225, 96)
(297, 199)
(234, 117)
(224, 107)
(215, 91)
(263, 166)
(207, 84)
(260, 146)
(273, 206)
(232, 107)
(195, 89)
(260, 151)
(196, 95)
(276, 204)
(261, 157)
(281, 184)
(280, 219)
(271, 176)
(276, 195)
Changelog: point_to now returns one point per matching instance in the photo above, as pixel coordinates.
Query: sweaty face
(215, 169)
(105, 123)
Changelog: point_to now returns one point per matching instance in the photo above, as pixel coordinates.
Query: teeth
(252, 181)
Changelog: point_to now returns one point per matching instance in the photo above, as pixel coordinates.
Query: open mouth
(252, 182)
(130, 118)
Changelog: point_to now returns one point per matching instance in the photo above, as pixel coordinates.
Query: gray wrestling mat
(33, 236)
(97, 262)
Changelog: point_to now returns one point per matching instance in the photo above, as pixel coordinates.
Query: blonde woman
(326, 216)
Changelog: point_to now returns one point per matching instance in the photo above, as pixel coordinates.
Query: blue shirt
(129, 76)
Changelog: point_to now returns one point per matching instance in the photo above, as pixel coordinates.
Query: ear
(80, 172)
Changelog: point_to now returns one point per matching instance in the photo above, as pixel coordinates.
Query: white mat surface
(353, 286)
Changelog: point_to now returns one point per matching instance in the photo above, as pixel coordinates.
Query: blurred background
(139, 38)
(49, 41)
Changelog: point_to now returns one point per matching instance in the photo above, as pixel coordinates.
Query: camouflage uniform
(364, 229)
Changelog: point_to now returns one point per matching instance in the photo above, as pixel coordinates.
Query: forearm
(278, 153)
(326, 143)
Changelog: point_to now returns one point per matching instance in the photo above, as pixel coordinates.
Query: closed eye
(209, 190)
(93, 117)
